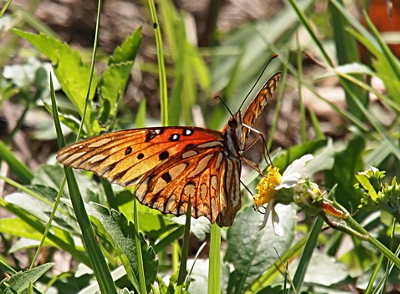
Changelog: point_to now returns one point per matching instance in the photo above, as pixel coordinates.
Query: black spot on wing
(152, 134)
(140, 156)
(128, 151)
(163, 155)
(166, 177)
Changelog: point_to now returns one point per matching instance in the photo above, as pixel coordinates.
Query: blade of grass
(51, 217)
(278, 107)
(306, 23)
(5, 7)
(346, 52)
(170, 238)
(185, 247)
(23, 173)
(270, 275)
(303, 126)
(319, 134)
(91, 73)
(139, 254)
(214, 268)
(97, 260)
(161, 65)
(99, 265)
(308, 251)
(393, 61)
(33, 21)
(377, 126)
(343, 113)
(111, 200)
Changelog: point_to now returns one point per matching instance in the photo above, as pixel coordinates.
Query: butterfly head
(233, 132)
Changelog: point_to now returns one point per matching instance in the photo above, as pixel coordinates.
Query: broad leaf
(253, 251)
(21, 280)
(120, 233)
(71, 72)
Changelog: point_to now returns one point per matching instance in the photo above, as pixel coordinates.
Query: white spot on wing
(203, 191)
(187, 132)
(181, 210)
(189, 153)
(210, 144)
(171, 205)
(141, 189)
(201, 166)
(189, 190)
(73, 157)
(100, 142)
(160, 184)
(97, 157)
(219, 160)
(177, 170)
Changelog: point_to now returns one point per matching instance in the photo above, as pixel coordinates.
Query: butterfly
(171, 165)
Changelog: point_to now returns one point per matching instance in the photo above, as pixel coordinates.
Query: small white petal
(294, 172)
(298, 165)
(289, 180)
(268, 210)
(278, 229)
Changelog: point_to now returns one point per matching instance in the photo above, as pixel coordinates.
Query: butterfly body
(174, 164)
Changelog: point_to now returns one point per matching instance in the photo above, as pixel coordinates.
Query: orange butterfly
(173, 164)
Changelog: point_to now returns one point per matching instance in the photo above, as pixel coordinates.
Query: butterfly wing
(206, 176)
(257, 105)
(122, 157)
(155, 157)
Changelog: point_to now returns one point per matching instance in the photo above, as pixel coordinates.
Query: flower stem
(374, 242)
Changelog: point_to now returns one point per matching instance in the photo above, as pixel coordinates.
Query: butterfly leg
(253, 165)
(258, 136)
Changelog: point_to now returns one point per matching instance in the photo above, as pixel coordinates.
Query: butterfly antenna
(258, 79)
(223, 102)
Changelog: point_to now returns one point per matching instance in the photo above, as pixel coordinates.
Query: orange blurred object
(379, 14)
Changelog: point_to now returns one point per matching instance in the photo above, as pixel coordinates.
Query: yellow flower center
(266, 187)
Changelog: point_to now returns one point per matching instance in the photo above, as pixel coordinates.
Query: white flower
(295, 172)
(275, 188)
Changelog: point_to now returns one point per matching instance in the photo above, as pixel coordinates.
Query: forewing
(122, 157)
(257, 105)
(207, 177)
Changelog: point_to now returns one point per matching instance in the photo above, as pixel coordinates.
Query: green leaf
(19, 228)
(118, 231)
(295, 152)
(53, 175)
(42, 210)
(115, 78)
(21, 280)
(323, 270)
(112, 87)
(250, 250)
(71, 72)
(347, 163)
(20, 169)
(128, 50)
